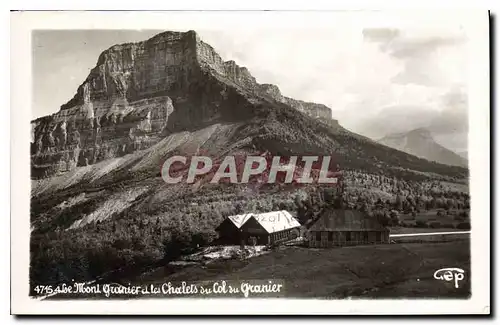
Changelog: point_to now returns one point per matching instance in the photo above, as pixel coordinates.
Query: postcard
(260, 162)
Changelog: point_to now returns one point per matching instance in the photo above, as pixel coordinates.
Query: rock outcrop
(139, 92)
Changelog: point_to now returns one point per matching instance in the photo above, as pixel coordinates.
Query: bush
(294, 234)
(463, 225)
(434, 224)
(410, 224)
(382, 218)
(394, 218)
(420, 224)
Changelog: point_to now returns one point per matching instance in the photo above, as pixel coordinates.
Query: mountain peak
(419, 142)
(421, 132)
(139, 92)
(166, 64)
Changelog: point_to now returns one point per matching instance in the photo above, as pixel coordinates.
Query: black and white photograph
(181, 157)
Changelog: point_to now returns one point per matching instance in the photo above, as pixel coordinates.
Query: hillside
(419, 142)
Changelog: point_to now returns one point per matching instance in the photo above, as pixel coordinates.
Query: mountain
(138, 93)
(173, 94)
(419, 142)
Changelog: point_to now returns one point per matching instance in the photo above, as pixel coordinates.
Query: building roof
(271, 221)
(346, 220)
(276, 221)
(239, 219)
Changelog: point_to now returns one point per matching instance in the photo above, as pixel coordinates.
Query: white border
(474, 22)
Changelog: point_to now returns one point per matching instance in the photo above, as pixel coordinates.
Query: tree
(410, 201)
(450, 204)
(365, 207)
(309, 205)
(302, 213)
(421, 224)
(440, 203)
(294, 234)
(418, 201)
(399, 203)
(394, 215)
(300, 197)
(432, 204)
(238, 208)
(339, 202)
(463, 225)
(381, 217)
(329, 195)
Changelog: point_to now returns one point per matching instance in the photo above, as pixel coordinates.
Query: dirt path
(431, 233)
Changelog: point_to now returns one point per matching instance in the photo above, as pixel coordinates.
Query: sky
(377, 81)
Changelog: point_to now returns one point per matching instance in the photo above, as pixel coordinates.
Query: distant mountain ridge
(419, 142)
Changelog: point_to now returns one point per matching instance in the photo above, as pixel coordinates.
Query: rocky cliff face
(139, 92)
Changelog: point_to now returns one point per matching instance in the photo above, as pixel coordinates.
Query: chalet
(337, 227)
(229, 229)
(271, 227)
(266, 228)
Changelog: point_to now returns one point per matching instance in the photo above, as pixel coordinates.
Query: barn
(229, 229)
(336, 227)
(266, 228)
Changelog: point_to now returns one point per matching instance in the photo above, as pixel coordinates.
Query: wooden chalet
(338, 227)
